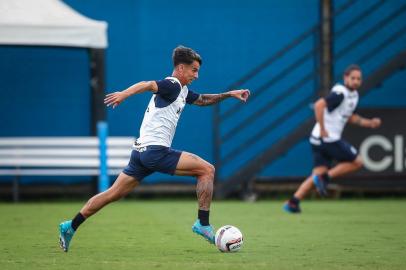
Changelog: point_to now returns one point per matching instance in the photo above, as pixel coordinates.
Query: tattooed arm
(209, 99)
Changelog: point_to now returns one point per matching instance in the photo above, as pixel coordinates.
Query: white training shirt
(164, 109)
(341, 104)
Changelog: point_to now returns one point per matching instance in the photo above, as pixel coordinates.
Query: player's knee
(358, 163)
(209, 170)
(212, 170)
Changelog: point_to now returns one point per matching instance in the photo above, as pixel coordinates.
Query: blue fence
(45, 91)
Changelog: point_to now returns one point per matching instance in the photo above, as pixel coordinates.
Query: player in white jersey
(332, 113)
(152, 150)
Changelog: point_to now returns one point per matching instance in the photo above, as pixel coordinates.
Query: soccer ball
(229, 239)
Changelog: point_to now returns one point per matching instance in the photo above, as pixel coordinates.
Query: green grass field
(355, 234)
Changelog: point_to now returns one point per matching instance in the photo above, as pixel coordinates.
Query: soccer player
(332, 113)
(152, 151)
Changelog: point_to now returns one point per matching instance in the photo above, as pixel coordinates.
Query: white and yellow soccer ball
(229, 239)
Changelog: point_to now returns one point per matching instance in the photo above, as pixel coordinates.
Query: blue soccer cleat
(292, 208)
(321, 185)
(206, 231)
(65, 234)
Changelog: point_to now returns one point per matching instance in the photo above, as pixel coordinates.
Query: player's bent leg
(343, 168)
(192, 165)
(121, 187)
(308, 184)
(321, 180)
(293, 204)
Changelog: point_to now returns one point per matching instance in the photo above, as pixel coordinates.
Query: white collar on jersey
(175, 79)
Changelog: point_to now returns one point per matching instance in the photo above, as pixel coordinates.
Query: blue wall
(44, 91)
(47, 89)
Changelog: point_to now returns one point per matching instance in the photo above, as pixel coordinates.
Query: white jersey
(164, 109)
(341, 104)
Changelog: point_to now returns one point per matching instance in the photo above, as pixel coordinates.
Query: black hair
(185, 55)
(351, 68)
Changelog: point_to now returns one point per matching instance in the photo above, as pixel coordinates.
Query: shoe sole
(62, 245)
(288, 210)
(61, 240)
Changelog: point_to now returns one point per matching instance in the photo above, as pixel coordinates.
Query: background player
(152, 151)
(332, 113)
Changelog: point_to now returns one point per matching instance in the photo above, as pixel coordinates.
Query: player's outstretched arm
(365, 122)
(116, 98)
(209, 99)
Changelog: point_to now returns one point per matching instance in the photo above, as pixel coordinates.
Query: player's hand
(242, 94)
(323, 133)
(114, 99)
(375, 122)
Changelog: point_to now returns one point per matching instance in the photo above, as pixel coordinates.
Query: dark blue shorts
(153, 158)
(327, 152)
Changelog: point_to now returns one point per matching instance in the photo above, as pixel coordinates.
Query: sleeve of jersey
(333, 100)
(168, 89)
(191, 97)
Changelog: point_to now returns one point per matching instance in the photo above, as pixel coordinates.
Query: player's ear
(181, 67)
